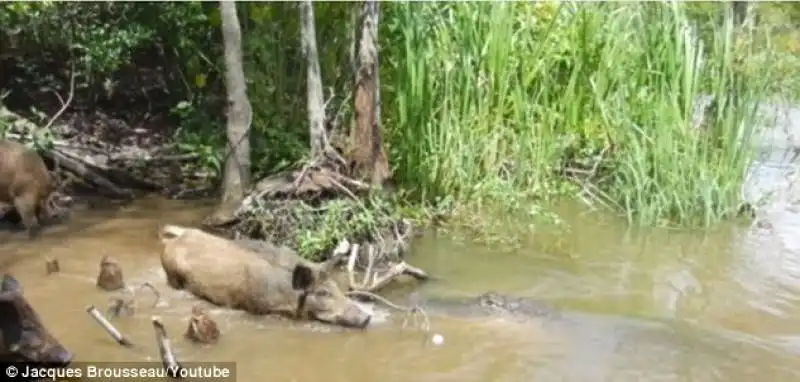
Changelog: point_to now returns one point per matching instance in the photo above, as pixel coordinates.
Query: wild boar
(26, 185)
(24, 337)
(218, 270)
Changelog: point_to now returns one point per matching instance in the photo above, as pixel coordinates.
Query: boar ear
(302, 277)
(9, 288)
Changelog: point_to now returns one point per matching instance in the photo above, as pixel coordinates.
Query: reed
(509, 103)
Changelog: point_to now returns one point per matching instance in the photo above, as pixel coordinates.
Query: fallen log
(84, 171)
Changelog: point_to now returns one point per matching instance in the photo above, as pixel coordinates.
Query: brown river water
(653, 305)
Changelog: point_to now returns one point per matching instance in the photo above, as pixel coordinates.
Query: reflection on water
(722, 305)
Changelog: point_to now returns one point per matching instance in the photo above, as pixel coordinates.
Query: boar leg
(26, 207)
(175, 280)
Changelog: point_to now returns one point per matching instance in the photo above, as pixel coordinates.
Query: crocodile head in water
(498, 303)
(494, 304)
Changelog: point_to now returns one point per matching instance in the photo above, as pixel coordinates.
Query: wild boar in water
(218, 270)
(26, 185)
(24, 337)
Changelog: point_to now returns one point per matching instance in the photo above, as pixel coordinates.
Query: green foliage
(317, 233)
(110, 43)
(489, 107)
(277, 76)
(495, 103)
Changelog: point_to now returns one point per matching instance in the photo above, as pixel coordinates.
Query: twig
(363, 293)
(302, 175)
(64, 105)
(412, 311)
(380, 282)
(343, 188)
(155, 291)
(351, 265)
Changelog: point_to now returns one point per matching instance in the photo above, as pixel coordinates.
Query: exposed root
(154, 290)
(126, 304)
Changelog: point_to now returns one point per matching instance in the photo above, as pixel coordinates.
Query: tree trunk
(236, 174)
(740, 11)
(367, 155)
(316, 104)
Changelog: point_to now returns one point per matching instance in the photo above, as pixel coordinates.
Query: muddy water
(657, 305)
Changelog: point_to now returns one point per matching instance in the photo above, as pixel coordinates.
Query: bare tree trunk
(236, 175)
(316, 106)
(740, 11)
(367, 155)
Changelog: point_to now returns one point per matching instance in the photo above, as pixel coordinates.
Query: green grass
(487, 103)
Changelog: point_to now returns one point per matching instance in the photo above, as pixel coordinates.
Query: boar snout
(354, 317)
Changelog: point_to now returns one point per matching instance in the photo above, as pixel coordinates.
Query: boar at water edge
(218, 270)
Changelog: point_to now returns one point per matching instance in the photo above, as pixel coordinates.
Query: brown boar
(24, 337)
(26, 185)
(224, 273)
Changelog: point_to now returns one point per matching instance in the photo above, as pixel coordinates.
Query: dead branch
(411, 311)
(372, 281)
(64, 105)
(154, 290)
(125, 304)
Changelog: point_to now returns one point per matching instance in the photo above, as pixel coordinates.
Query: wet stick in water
(125, 304)
(411, 312)
(168, 359)
(202, 329)
(110, 276)
(110, 329)
(52, 266)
